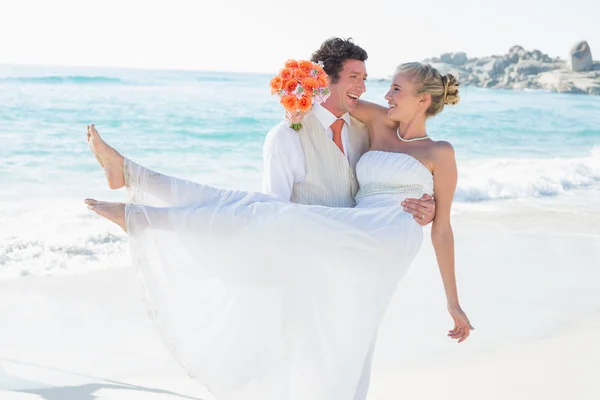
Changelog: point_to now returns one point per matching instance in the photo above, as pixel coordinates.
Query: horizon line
(149, 68)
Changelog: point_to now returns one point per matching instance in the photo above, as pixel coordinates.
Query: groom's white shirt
(283, 157)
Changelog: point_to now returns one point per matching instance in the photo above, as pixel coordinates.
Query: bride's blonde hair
(442, 88)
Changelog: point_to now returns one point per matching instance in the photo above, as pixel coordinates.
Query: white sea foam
(495, 178)
(57, 238)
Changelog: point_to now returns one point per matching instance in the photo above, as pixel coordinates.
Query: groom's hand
(423, 209)
(295, 117)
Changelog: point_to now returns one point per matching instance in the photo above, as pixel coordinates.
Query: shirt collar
(325, 117)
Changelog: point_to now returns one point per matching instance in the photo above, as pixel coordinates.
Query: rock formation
(581, 57)
(523, 69)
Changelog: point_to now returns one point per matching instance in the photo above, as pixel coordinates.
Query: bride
(259, 298)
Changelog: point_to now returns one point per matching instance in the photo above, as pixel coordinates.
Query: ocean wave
(500, 179)
(66, 79)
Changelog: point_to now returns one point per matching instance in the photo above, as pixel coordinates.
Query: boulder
(532, 67)
(537, 55)
(525, 55)
(459, 58)
(483, 60)
(471, 79)
(568, 87)
(581, 57)
(494, 67)
(507, 80)
(546, 58)
(490, 83)
(446, 58)
(594, 90)
(533, 84)
(515, 49)
(512, 58)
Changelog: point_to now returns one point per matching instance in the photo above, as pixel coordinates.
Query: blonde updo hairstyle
(443, 89)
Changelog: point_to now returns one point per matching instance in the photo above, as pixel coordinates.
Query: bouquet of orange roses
(300, 84)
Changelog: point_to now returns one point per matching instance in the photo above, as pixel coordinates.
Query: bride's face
(403, 102)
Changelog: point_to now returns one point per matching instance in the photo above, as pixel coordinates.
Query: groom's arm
(281, 163)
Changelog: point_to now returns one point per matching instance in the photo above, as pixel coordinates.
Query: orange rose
(291, 64)
(289, 102)
(322, 81)
(290, 85)
(276, 84)
(304, 104)
(286, 73)
(299, 75)
(309, 84)
(305, 66)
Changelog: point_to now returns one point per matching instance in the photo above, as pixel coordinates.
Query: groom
(316, 165)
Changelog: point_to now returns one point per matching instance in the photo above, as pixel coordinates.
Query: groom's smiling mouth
(353, 96)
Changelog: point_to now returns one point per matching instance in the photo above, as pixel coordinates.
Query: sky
(259, 35)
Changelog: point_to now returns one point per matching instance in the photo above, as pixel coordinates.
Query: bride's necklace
(410, 140)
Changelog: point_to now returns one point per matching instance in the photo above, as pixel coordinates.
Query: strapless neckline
(403, 154)
(387, 177)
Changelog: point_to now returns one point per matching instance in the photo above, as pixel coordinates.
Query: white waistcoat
(330, 179)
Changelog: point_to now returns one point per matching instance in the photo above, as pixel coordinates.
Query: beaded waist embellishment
(375, 188)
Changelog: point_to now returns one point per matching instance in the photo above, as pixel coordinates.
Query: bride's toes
(93, 131)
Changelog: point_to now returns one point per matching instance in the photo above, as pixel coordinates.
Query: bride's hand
(295, 117)
(462, 326)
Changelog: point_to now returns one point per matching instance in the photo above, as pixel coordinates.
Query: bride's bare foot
(114, 212)
(110, 159)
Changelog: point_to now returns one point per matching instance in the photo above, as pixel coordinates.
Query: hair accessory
(445, 83)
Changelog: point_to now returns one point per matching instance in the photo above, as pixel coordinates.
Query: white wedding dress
(261, 299)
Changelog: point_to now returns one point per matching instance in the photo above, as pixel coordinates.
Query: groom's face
(350, 86)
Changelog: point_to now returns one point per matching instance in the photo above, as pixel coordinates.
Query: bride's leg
(144, 185)
(135, 218)
(141, 217)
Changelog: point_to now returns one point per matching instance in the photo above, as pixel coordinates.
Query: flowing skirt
(261, 299)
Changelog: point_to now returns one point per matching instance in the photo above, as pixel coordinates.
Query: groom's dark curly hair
(334, 52)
